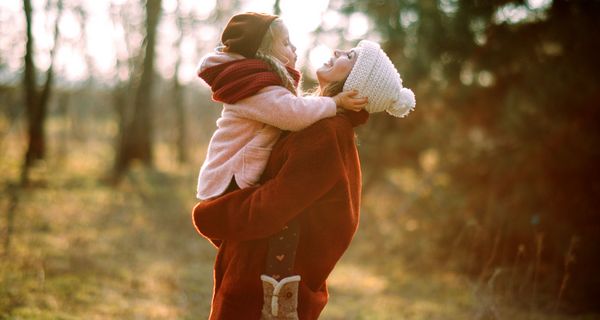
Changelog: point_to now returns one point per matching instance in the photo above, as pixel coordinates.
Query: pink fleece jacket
(248, 129)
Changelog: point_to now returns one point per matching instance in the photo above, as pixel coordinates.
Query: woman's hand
(347, 101)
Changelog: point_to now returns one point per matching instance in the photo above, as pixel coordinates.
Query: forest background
(482, 204)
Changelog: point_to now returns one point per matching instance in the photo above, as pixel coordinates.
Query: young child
(253, 75)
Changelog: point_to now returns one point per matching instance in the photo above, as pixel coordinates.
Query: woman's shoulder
(341, 123)
(323, 134)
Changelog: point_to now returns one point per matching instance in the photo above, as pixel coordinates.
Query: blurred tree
(276, 8)
(508, 105)
(36, 101)
(135, 141)
(181, 137)
(126, 60)
(83, 17)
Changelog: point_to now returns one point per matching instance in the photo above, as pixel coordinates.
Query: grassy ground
(82, 249)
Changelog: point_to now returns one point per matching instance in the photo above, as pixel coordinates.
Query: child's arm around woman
(253, 91)
(254, 75)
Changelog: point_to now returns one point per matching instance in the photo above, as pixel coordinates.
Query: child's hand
(347, 101)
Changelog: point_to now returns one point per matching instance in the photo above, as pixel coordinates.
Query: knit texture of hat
(375, 77)
(244, 32)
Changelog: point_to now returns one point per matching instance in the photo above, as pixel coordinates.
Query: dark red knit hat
(244, 32)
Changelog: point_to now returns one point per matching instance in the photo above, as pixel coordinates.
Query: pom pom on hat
(404, 103)
(375, 76)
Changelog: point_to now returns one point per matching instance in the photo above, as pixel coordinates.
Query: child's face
(283, 49)
(338, 67)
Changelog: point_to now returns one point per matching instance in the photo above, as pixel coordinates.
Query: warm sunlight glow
(104, 40)
(69, 27)
(100, 38)
(538, 4)
(72, 63)
(301, 18)
(358, 25)
(318, 56)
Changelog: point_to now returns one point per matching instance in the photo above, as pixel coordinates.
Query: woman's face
(337, 68)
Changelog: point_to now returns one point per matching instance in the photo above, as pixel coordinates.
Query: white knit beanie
(375, 77)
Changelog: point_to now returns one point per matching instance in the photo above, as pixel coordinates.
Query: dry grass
(82, 249)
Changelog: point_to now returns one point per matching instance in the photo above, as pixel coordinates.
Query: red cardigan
(313, 174)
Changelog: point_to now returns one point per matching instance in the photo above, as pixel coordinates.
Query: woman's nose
(337, 53)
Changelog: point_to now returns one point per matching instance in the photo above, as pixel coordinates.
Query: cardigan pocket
(254, 161)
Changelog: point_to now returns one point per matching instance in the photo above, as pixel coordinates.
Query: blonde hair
(331, 89)
(266, 52)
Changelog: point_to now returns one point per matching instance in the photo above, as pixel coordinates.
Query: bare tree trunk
(276, 8)
(62, 113)
(182, 153)
(36, 102)
(136, 141)
(120, 94)
(120, 104)
(35, 146)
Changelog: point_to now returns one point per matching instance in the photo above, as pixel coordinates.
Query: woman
(313, 180)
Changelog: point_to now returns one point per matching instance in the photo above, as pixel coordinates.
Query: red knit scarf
(239, 79)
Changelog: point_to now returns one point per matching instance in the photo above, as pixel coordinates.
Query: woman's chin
(322, 71)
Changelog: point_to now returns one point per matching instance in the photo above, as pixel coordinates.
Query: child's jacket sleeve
(278, 107)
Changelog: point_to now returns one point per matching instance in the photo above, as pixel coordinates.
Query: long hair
(266, 53)
(331, 89)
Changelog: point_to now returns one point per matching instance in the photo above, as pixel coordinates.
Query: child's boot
(280, 298)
